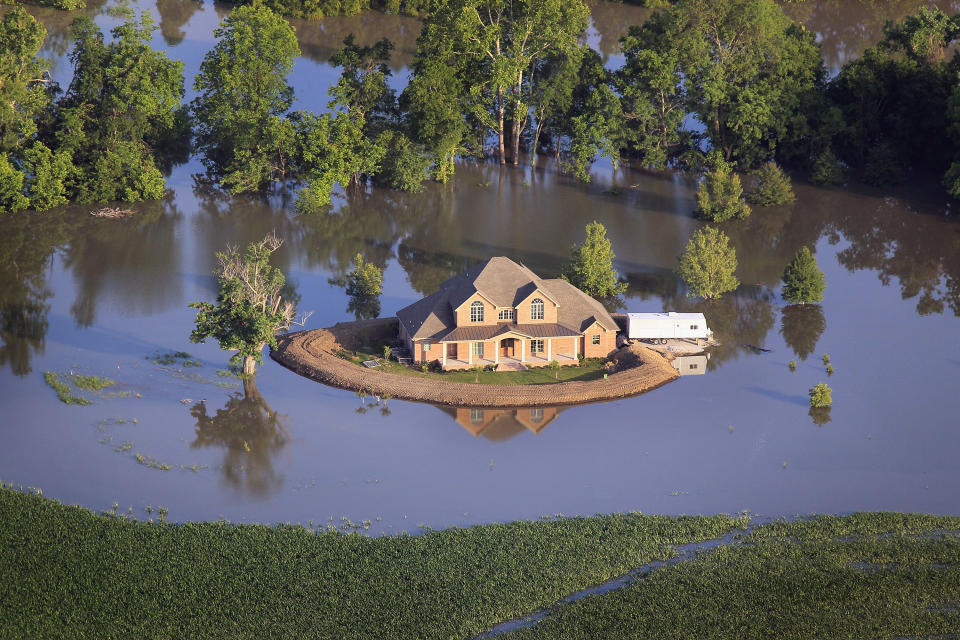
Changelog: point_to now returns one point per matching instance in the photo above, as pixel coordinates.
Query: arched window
(536, 309)
(476, 417)
(476, 311)
(536, 416)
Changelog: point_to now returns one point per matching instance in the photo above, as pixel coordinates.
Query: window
(476, 416)
(693, 327)
(536, 309)
(536, 415)
(505, 314)
(476, 311)
(694, 366)
(595, 338)
(476, 348)
(426, 346)
(536, 346)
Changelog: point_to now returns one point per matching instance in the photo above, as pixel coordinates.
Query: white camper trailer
(661, 327)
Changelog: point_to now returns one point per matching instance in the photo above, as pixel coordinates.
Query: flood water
(109, 297)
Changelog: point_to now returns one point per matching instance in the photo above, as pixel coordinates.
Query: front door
(452, 350)
(507, 347)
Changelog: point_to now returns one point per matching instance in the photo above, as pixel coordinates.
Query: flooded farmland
(87, 296)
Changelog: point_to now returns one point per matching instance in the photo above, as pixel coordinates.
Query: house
(501, 312)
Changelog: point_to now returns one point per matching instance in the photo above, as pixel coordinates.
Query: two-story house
(501, 312)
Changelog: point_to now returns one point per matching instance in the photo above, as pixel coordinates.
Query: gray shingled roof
(505, 283)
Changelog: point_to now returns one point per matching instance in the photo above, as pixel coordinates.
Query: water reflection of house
(691, 365)
(502, 424)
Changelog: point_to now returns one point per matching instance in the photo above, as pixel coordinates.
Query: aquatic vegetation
(170, 358)
(153, 463)
(91, 383)
(829, 369)
(826, 359)
(62, 389)
(793, 365)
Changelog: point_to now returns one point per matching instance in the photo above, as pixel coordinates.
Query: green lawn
(590, 369)
(68, 573)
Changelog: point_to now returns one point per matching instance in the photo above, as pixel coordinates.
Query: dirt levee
(312, 355)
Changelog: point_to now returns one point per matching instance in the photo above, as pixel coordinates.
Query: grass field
(68, 573)
(590, 369)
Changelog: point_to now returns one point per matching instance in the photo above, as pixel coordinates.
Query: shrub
(827, 170)
(820, 396)
(771, 187)
(720, 197)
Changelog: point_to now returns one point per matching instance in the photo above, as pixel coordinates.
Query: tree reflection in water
(820, 415)
(251, 433)
(801, 327)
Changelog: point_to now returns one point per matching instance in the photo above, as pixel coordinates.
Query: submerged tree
(364, 284)
(243, 98)
(708, 263)
(771, 187)
(590, 268)
(250, 310)
(803, 281)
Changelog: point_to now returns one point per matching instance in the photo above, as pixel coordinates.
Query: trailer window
(595, 339)
(693, 327)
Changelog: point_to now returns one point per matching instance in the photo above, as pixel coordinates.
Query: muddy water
(107, 298)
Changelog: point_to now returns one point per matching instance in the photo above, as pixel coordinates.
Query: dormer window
(476, 311)
(505, 314)
(536, 309)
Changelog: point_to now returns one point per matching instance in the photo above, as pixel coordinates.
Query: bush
(771, 187)
(883, 166)
(827, 170)
(820, 396)
(720, 197)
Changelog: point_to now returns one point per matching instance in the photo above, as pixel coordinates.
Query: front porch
(513, 352)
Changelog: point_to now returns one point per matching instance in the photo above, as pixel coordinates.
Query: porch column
(576, 346)
(523, 347)
(496, 352)
(470, 353)
(549, 340)
(443, 354)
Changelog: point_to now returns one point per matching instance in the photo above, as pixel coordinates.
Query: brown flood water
(105, 297)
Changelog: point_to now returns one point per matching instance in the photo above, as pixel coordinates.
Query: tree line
(705, 86)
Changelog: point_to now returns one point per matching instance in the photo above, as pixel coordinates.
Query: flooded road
(109, 298)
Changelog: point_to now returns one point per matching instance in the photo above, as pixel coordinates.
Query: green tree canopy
(493, 46)
(250, 310)
(23, 78)
(590, 268)
(243, 98)
(708, 264)
(803, 281)
(747, 71)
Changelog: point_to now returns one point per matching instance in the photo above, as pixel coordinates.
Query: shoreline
(312, 354)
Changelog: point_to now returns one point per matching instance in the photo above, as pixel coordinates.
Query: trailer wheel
(663, 341)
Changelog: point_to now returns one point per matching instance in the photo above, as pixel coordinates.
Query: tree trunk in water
(249, 365)
(516, 143)
(500, 145)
